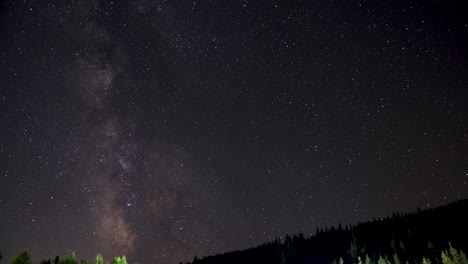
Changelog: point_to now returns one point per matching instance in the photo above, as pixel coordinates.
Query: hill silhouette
(425, 236)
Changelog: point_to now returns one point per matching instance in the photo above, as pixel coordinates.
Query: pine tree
(22, 258)
(117, 260)
(430, 246)
(383, 260)
(393, 245)
(426, 260)
(463, 258)
(396, 259)
(402, 246)
(99, 259)
(353, 250)
(368, 259)
(445, 258)
(282, 258)
(69, 259)
(359, 260)
(120, 260)
(454, 255)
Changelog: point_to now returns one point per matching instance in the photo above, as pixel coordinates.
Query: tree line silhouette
(431, 236)
(423, 237)
(24, 258)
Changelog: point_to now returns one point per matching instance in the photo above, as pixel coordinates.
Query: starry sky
(166, 129)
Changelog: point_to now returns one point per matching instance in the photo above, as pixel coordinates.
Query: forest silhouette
(430, 236)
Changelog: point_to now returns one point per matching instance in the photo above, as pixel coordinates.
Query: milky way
(124, 179)
(161, 130)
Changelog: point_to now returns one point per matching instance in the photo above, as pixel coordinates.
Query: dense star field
(167, 129)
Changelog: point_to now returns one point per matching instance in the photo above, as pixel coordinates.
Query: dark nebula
(163, 129)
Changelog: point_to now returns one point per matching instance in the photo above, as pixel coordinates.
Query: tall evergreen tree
(116, 260)
(383, 260)
(393, 245)
(396, 259)
(402, 246)
(353, 250)
(453, 256)
(120, 260)
(368, 259)
(99, 259)
(69, 259)
(359, 260)
(22, 258)
(463, 258)
(425, 261)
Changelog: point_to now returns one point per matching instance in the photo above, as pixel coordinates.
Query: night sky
(167, 129)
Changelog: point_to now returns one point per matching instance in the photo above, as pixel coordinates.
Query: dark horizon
(340, 227)
(426, 217)
(162, 129)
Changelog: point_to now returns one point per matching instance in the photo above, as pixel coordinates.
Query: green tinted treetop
(22, 258)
